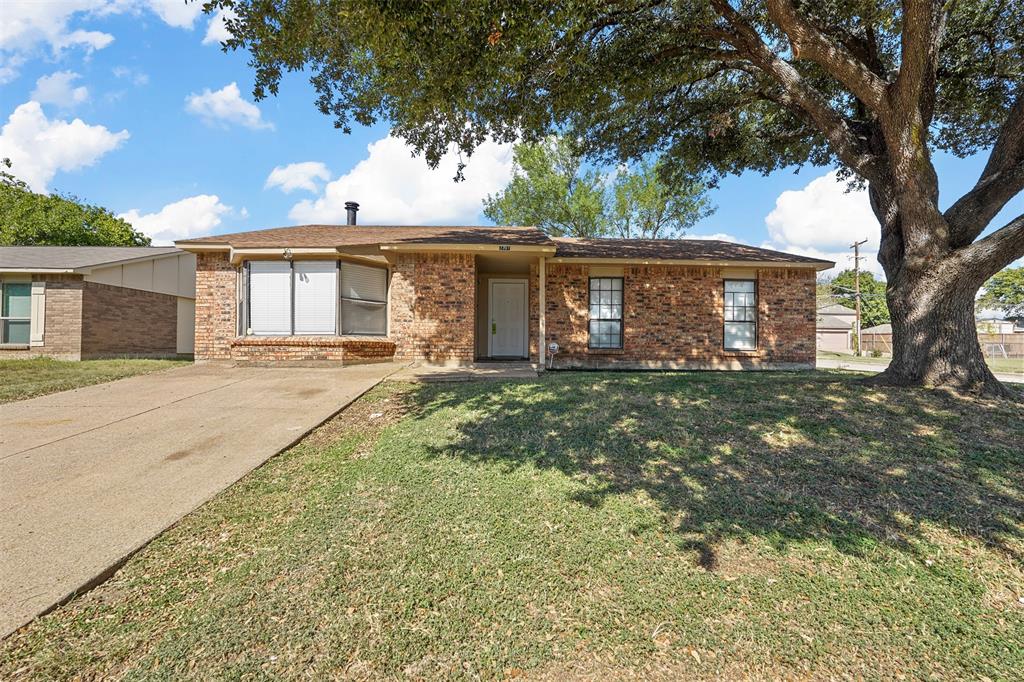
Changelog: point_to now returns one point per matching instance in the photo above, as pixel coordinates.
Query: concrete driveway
(89, 476)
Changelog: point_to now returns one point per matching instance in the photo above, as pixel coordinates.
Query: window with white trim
(299, 298)
(740, 314)
(606, 312)
(15, 312)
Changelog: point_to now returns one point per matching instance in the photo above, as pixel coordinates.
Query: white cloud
(177, 13)
(39, 147)
(822, 220)
(298, 176)
(137, 77)
(719, 236)
(226, 106)
(58, 88)
(28, 25)
(393, 187)
(189, 217)
(217, 30)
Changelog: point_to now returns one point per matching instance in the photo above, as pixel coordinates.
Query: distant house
(836, 325)
(86, 302)
(993, 322)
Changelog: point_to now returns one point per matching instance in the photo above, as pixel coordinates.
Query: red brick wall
(787, 315)
(348, 350)
(216, 282)
(673, 317)
(120, 321)
(433, 307)
(62, 331)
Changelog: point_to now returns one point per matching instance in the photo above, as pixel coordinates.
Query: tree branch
(1001, 180)
(808, 41)
(924, 22)
(993, 253)
(797, 93)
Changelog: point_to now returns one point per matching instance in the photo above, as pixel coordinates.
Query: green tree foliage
(1005, 292)
(710, 87)
(644, 206)
(551, 189)
(31, 219)
(873, 308)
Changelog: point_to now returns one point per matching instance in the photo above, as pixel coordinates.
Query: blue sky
(132, 105)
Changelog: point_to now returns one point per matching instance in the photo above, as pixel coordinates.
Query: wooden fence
(992, 345)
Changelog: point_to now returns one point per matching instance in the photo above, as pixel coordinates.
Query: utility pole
(856, 287)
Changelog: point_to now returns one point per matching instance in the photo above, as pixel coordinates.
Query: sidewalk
(858, 365)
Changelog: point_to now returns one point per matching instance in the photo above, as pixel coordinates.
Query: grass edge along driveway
(23, 379)
(588, 525)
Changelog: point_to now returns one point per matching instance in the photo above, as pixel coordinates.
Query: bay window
(740, 315)
(15, 312)
(299, 298)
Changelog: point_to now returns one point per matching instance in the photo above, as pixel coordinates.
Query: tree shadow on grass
(783, 456)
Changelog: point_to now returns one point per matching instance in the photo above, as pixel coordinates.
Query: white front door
(507, 308)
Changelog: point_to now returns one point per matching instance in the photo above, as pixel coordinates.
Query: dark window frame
(726, 320)
(340, 299)
(621, 320)
(4, 319)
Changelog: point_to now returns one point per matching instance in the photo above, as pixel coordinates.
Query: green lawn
(1003, 365)
(697, 525)
(20, 379)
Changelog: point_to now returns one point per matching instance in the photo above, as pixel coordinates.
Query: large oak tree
(715, 87)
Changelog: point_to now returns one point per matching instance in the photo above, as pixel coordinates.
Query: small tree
(1005, 293)
(644, 206)
(553, 190)
(30, 219)
(873, 308)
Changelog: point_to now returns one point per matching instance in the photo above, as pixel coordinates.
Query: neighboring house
(836, 327)
(83, 302)
(993, 322)
(454, 295)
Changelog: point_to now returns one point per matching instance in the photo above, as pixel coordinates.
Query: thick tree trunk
(935, 340)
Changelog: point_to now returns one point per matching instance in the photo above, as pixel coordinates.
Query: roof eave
(731, 263)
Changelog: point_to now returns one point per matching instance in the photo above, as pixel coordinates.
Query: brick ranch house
(455, 295)
(86, 302)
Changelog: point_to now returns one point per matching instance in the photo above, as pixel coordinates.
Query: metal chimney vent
(351, 208)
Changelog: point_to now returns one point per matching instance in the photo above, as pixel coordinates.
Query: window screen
(15, 312)
(740, 315)
(270, 298)
(316, 297)
(606, 312)
(364, 295)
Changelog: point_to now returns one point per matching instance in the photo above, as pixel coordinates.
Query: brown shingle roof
(72, 257)
(674, 249)
(336, 236)
(362, 235)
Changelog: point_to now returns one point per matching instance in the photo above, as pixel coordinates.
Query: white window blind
(316, 297)
(364, 295)
(270, 298)
(364, 283)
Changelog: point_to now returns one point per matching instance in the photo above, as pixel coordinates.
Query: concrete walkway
(876, 367)
(478, 371)
(89, 476)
